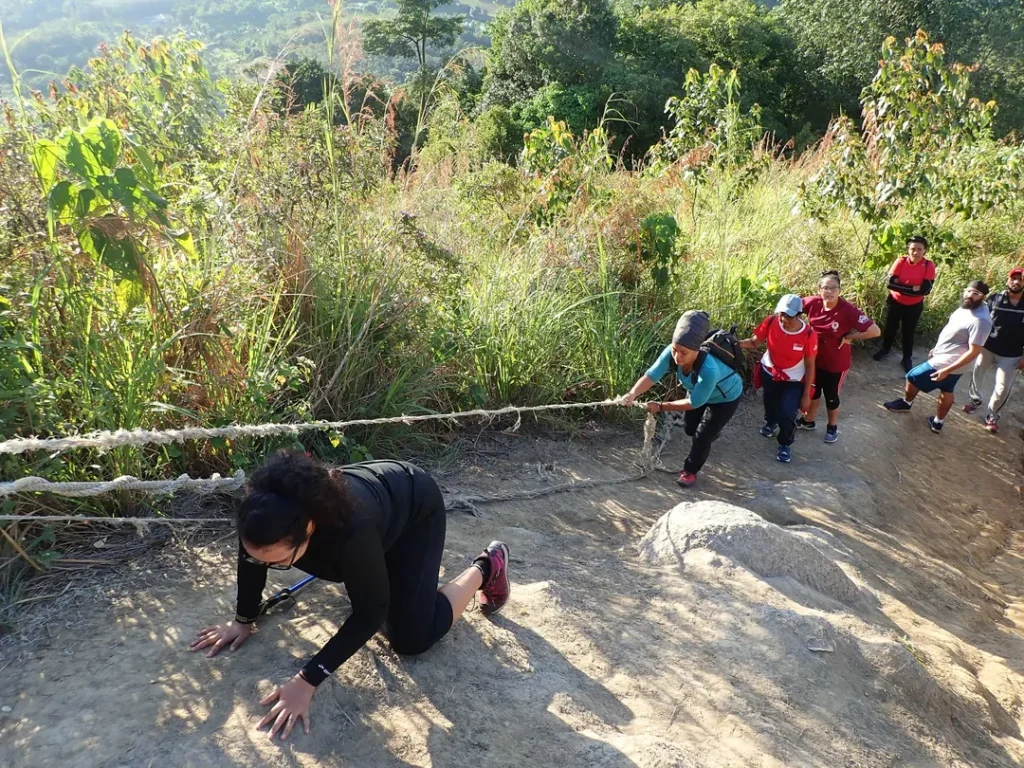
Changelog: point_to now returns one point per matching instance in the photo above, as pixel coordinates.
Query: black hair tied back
(833, 273)
(285, 493)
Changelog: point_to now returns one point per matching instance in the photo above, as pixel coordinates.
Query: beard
(1017, 292)
(971, 303)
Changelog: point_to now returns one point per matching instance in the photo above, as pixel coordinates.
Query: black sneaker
(831, 433)
(935, 425)
(768, 430)
(802, 423)
(880, 355)
(899, 405)
(908, 364)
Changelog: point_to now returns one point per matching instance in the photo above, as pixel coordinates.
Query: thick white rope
(108, 440)
(649, 460)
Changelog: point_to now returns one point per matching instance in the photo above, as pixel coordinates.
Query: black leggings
(908, 315)
(704, 425)
(828, 383)
(418, 615)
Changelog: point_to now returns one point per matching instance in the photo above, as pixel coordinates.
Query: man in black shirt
(1004, 349)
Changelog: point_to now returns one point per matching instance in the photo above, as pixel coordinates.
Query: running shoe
(494, 593)
(769, 430)
(686, 479)
(831, 433)
(991, 425)
(880, 355)
(972, 405)
(899, 405)
(784, 454)
(935, 425)
(802, 423)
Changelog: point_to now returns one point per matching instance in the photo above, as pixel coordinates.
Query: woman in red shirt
(837, 323)
(786, 370)
(910, 280)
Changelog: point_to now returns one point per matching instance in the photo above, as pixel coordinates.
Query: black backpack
(726, 347)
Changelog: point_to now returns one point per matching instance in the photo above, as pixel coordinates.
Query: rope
(204, 485)
(107, 440)
(649, 461)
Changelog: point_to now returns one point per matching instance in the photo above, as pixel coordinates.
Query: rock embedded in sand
(748, 540)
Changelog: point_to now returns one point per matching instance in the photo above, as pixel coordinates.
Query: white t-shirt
(965, 327)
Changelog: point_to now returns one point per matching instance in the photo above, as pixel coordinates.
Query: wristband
(239, 619)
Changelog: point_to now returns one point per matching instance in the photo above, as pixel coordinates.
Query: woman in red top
(837, 323)
(910, 280)
(786, 370)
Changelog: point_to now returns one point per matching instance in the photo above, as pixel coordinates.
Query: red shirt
(909, 275)
(831, 325)
(786, 351)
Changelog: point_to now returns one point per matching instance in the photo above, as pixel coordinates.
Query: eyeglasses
(272, 566)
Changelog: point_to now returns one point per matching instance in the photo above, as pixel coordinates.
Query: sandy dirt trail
(600, 660)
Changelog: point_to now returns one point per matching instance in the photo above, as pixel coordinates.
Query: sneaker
(991, 425)
(971, 406)
(686, 479)
(494, 593)
(769, 430)
(784, 454)
(880, 355)
(899, 405)
(935, 425)
(831, 433)
(802, 423)
(908, 364)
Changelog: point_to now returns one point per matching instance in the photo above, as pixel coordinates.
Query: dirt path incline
(862, 606)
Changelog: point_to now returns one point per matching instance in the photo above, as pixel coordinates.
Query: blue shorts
(921, 377)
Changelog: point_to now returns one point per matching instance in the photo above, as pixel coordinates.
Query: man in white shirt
(960, 342)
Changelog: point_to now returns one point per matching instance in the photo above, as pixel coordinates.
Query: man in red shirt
(910, 279)
(786, 370)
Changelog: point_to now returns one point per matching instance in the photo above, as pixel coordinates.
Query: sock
(938, 420)
(908, 402)
(483, 564)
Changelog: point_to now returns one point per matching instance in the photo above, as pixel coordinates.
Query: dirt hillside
(699, 657)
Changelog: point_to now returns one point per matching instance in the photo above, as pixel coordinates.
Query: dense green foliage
(178, 251)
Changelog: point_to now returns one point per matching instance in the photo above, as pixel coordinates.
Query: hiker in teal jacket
(714, 389)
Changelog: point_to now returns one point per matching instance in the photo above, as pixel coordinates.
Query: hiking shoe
(991, 425)
(784, 454)
(971, 406)
(831, 433)
(935, 425)
(899, 405)
(802, 423)
(769, 430)
(686, 479)
(908, 364)
(880, 355)
(494, 593)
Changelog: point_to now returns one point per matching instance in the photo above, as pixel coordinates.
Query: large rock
(747, 539)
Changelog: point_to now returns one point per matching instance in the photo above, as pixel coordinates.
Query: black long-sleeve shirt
(1007, 337)
(384, 505)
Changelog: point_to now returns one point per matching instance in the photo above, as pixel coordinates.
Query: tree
(409, 35)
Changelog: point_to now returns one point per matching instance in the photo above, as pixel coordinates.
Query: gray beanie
(691, 330)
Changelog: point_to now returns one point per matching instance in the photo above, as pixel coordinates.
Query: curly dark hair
(285, 493)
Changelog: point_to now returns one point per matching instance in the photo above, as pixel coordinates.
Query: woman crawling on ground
(379, 528)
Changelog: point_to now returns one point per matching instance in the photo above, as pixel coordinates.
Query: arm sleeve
(860, 321)
(812, 344)
(761, 332)
(709, 376)
(366, 580)
(979, 332)
(926, 287)
(252, 579)
(661, 365)
(894, 285)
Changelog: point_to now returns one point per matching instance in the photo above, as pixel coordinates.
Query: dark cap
(919, 239)
(980, 286)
